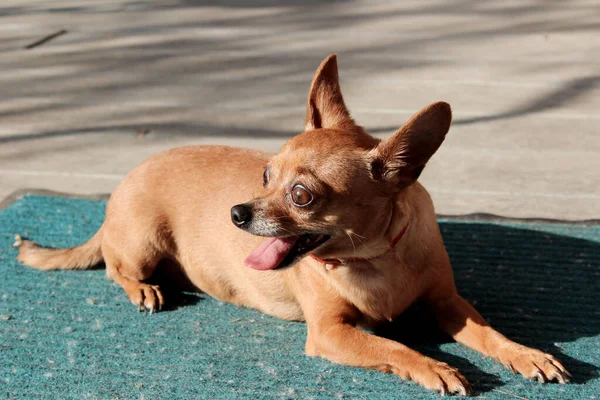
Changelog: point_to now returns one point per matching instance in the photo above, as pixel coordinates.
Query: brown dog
(342, 206)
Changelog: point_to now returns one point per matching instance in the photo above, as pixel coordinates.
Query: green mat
(74, 334)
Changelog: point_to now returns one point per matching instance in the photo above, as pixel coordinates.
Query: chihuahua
(338, 234)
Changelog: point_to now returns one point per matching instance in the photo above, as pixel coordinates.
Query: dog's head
(330, 191)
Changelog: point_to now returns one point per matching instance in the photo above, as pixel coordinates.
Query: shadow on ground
(145, 61)
(537, 288)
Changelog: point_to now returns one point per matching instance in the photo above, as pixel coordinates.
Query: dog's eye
(266, 177)
(301, 196)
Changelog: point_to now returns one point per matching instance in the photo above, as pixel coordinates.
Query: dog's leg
(129, 275)
(458, 318)
(334, 338)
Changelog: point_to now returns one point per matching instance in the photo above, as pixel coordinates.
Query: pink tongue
(270, 253)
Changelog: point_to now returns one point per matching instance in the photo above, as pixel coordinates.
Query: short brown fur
(176, 206)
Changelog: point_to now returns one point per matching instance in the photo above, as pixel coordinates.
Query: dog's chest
(380, 294)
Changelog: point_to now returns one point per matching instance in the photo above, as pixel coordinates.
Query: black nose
(241, 214)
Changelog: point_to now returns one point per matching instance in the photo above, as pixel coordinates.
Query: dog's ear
(400, 159)
(326, 108)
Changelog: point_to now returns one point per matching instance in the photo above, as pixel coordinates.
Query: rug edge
(20, 193)
(472, 217)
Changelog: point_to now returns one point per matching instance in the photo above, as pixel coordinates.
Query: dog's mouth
(280, 252)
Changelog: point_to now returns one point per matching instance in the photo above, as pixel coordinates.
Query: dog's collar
(332, 262)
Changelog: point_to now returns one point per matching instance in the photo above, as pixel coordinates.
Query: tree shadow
(139, 62)
(537, 288)
(555, 99)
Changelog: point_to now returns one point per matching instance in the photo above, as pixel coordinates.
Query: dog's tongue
(270, 253)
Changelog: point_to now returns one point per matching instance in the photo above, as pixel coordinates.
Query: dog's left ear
(326, 108)
(400, 159)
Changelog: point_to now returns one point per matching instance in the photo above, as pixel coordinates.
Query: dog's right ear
(326, 108)
(400, 159)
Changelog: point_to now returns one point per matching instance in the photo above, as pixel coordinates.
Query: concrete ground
(131, 78)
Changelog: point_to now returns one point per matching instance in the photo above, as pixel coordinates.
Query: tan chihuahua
(340, 206)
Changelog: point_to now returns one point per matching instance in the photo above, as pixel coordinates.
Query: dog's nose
(241, 215)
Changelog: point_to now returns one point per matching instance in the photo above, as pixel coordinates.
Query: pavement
(131, 78)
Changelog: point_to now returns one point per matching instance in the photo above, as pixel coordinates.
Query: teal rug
(74, 335)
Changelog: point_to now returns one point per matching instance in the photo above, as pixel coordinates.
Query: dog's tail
(84, 256)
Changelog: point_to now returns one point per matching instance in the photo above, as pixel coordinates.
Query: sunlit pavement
(131, 78)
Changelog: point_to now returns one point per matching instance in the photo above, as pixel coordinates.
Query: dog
(339, 233)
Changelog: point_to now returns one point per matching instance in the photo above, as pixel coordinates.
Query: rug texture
(73, 334)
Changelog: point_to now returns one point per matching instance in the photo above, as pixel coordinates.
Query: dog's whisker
(348, 233)
(358, 237)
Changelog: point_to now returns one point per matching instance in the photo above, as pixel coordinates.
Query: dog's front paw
(442, 378)
(534, 364)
